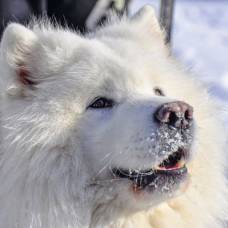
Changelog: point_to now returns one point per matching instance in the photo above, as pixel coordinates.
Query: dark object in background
(83, 15)
(166, 17)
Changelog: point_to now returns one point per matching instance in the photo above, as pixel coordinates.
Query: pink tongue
(176, 166)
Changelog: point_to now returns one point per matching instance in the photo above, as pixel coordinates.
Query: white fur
(56, 153)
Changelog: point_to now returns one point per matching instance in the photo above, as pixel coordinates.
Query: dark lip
(148, 174)
(142, 180)
(168, 169)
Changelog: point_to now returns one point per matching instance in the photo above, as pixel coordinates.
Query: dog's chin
(166, 180)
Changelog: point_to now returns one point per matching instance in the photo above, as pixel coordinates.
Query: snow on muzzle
(174, 138)
(170, 170)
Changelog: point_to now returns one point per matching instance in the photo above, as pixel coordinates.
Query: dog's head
(112, 114)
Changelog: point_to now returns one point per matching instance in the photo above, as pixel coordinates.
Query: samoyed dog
(106, 130)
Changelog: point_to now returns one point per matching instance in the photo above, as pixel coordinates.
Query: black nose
(177, 114)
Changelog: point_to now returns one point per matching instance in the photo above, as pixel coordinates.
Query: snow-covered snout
(170, 144)
(146, 142)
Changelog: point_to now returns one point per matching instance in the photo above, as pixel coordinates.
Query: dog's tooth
(181, 163)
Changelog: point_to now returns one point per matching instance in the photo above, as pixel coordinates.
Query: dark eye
(102, 102)
(158, 91)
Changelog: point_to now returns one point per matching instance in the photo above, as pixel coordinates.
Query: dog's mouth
(173, 167)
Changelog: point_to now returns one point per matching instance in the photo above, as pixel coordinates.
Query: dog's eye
(158, 91)
(102, 102)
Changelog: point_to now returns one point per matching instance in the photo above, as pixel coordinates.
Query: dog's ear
(18, 43)
(147, 21)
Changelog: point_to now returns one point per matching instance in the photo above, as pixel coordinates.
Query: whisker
(105, 181)
(106, 165)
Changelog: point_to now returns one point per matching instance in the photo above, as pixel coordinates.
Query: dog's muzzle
(174, 119)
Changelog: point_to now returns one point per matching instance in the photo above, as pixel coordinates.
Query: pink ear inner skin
(23, 75)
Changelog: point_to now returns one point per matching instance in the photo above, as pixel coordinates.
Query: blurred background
(198, 29)
(200, 39)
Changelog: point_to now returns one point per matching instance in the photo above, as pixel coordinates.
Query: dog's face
(136, 142)
(136, 136)
(115, 103)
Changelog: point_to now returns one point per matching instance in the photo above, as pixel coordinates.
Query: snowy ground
(200, 39)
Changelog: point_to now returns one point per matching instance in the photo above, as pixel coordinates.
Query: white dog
(105, 131)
